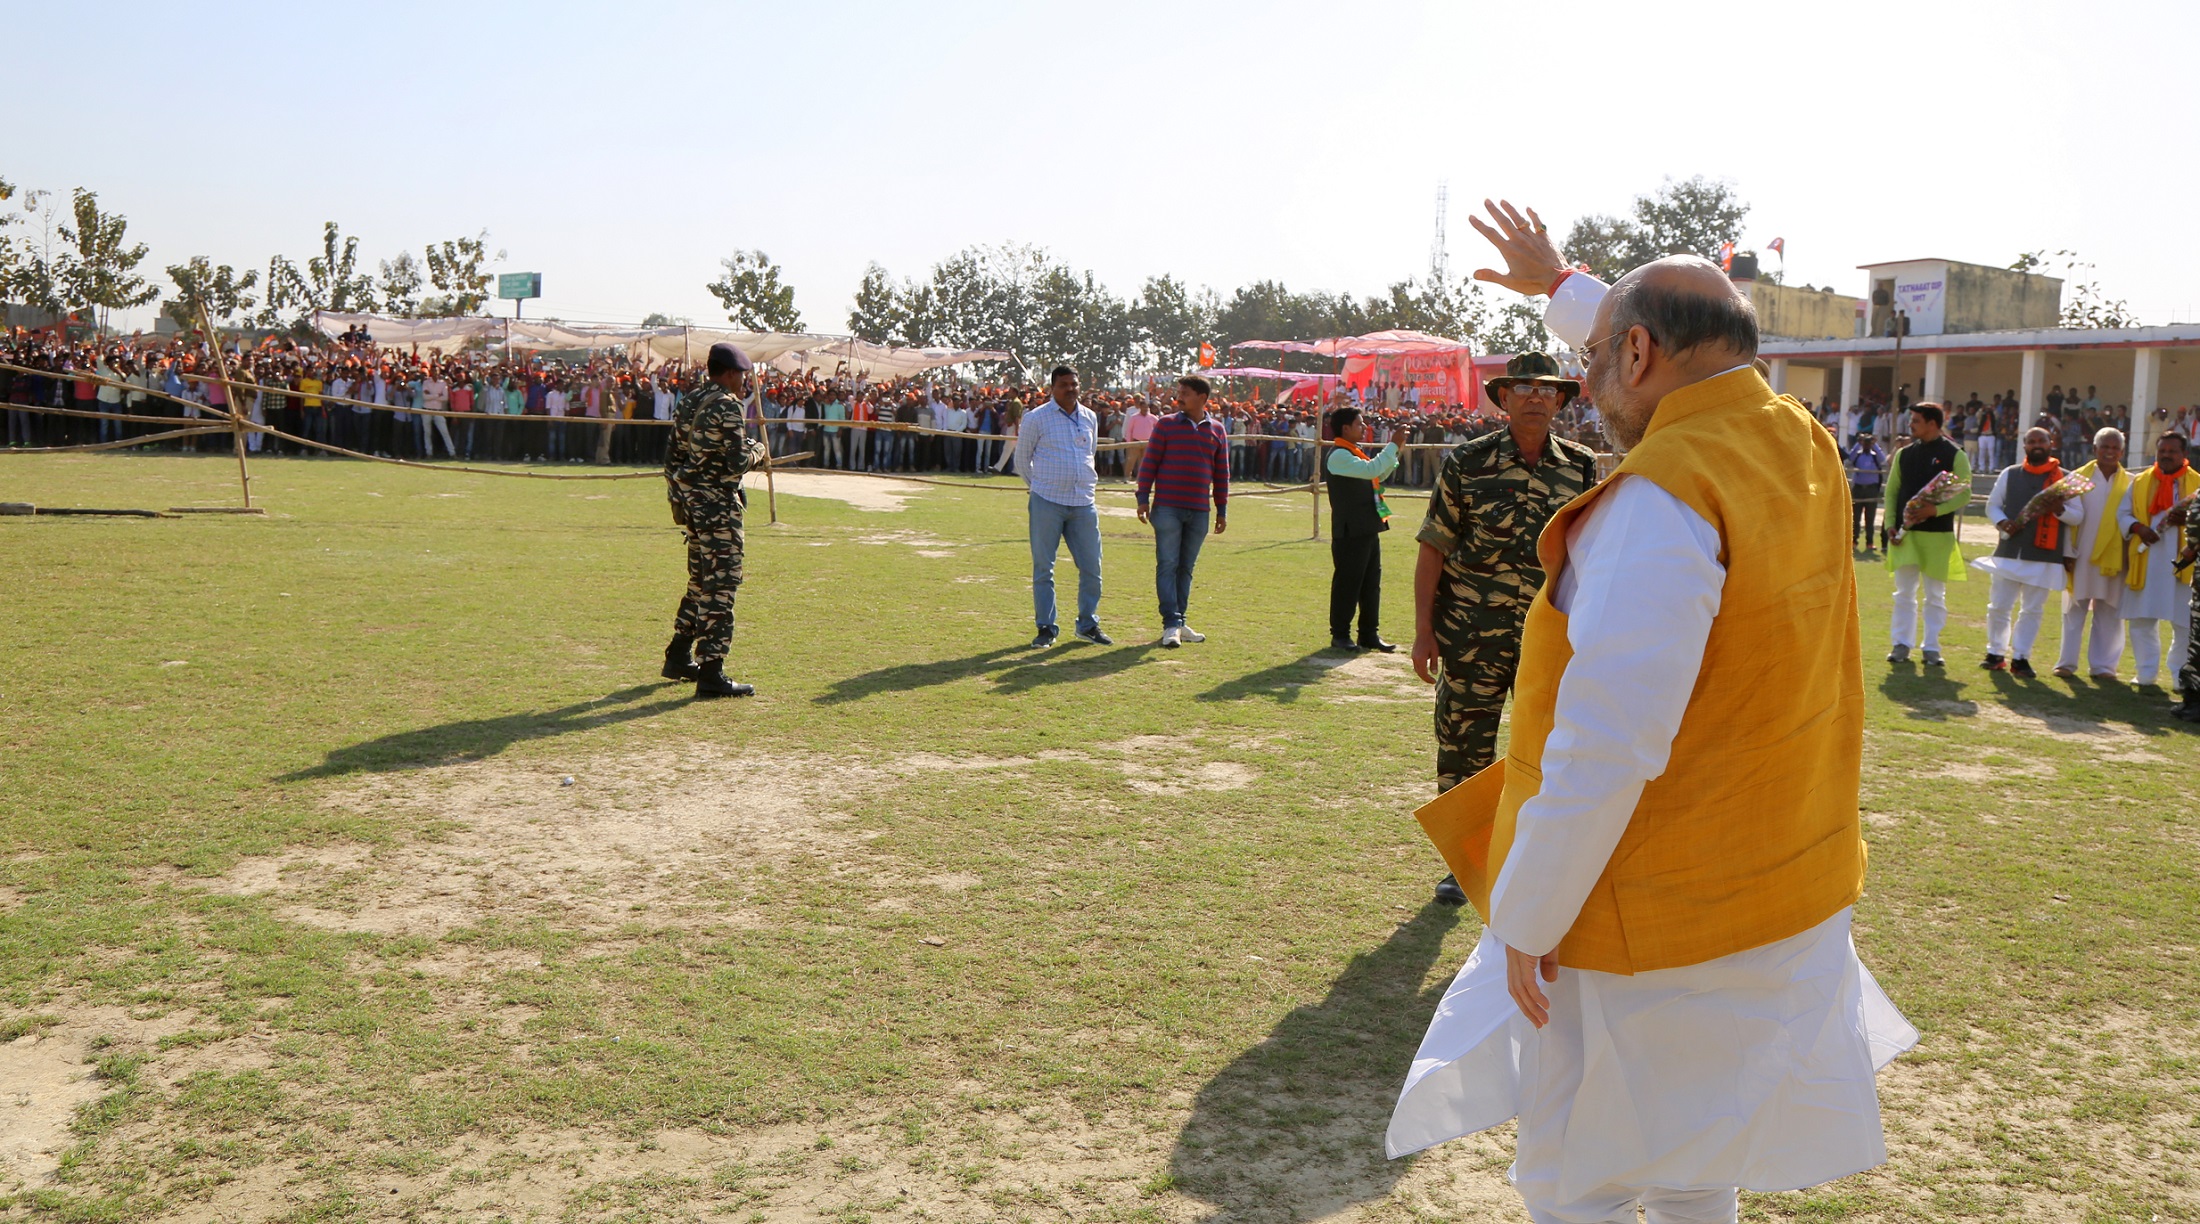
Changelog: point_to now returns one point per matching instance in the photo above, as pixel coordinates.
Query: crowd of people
(351, 393)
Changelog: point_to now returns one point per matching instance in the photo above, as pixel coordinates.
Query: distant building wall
(1983, 299)
(1801, 314)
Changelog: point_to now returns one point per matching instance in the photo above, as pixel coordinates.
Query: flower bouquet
(2052, 498)
(1939, 491)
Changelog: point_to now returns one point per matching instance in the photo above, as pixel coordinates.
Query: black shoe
(678, 666)
(1048, 636)
(2022, 670)
(1380, 646)
(711, 682)
(1449, 893)
(1993, 662)
(2189, 708)
(1091, 633)
(1346, 645)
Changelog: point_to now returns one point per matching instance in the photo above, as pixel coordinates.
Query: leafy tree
(878, 315)
(1693, 217)
(100, 274)
(330, 280)
(1450, 308)
(454, 268)
(1266, 310)
(9, 257)
(753, 296)
(400, 287)
(1605, 244)
(37, 278)
(1518, 329)
(658, 318)
(200, 282)
(2088, 305)
(1171, 321)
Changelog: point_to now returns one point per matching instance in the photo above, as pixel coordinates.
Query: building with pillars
(1974, 329)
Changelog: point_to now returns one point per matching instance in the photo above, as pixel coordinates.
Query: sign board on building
(519, 285)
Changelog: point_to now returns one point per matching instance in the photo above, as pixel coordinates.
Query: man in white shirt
(2096, 560)
(1054, 453)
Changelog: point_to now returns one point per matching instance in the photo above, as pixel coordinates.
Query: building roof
(1888, 263)
(2063, 339)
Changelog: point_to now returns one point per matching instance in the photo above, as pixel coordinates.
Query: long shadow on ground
(481, 737)
(2076, 706)
(1293, 1128)
(1013, 669)
(1281, 683)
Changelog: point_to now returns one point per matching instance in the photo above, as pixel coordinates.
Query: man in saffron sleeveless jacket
(1665, 993)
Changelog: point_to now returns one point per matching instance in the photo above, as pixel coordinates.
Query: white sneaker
(1170, 636)
(1189, 634)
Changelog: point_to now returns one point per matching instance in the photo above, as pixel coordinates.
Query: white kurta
(2047, 574)
(2163, 597)
(1751, 1070)
(2086, 579)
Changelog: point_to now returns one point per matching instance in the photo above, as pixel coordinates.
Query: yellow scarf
(2108, 546)
(2142, 495)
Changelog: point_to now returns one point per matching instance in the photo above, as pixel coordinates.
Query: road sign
(520, 285)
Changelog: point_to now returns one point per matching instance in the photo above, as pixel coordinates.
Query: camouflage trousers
(714, 574)
(1470, 703)
(2188, 677)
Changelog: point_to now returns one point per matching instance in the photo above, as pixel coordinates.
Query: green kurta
(1934, 553)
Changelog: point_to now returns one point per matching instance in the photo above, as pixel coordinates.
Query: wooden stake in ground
(229, 396)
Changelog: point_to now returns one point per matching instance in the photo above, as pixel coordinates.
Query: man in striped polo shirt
(1187, 460)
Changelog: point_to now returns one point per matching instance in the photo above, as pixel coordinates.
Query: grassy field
(358, 866)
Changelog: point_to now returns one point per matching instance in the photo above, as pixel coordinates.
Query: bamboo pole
(771, 488)
(229, 395)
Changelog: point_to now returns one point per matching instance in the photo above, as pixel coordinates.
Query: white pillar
(1936, 377)
(2146, 389)
(1852, 394)
(1780, 374)
(2032, 389)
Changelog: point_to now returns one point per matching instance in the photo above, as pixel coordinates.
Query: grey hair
(1681, 319)
(2108, 431)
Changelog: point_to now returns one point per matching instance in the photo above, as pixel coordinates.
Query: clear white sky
(620, 149)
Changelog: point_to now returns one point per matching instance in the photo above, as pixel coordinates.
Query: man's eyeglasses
(1534, 391)
(1589, 351)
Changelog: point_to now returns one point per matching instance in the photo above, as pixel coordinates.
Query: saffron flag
(1206, 355)
(1778, 246)
(1726, 256)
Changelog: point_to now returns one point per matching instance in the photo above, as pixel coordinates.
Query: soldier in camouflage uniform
(709, 452)
(1478, 569)
(2188, 676)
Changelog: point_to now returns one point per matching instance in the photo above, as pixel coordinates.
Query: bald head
(1665, 325)
(1687, 304)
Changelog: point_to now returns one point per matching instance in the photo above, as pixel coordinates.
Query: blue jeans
(1177, 535)
(1051, 524)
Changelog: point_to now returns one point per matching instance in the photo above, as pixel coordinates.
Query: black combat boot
(677, 664)
(2189, 708)
(710, 681)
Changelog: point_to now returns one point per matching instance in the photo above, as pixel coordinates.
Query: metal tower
(1439, 259)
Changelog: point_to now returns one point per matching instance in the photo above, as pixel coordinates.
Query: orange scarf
(2048, 534)
(2165, 488)
(1382, 507)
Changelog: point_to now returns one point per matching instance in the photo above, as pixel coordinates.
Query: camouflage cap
(1532, 368)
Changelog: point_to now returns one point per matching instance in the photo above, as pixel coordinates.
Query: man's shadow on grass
(1013, 669)
(1926, 692)
(1282, 683)
(473, 738)
(1293, 1128)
